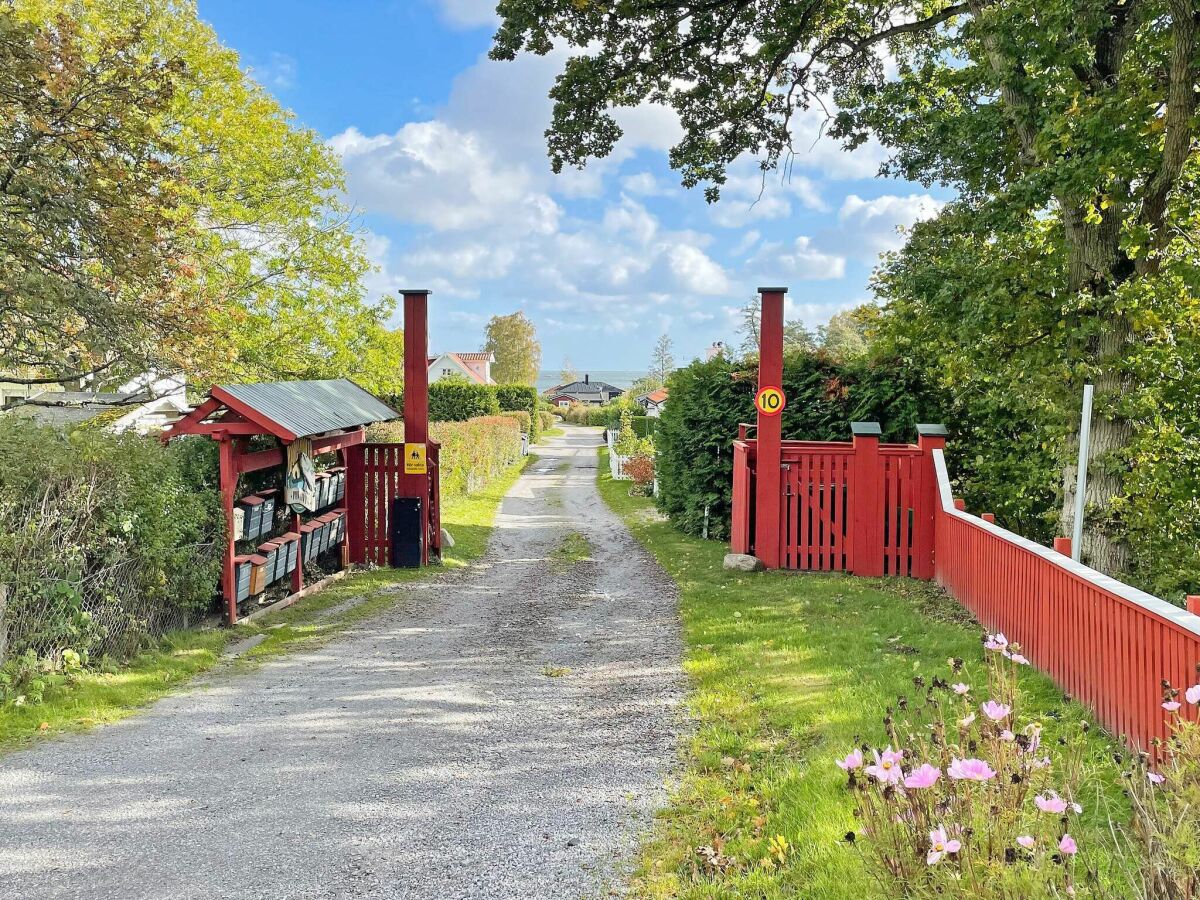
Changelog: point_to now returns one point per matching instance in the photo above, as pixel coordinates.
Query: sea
(618, 378)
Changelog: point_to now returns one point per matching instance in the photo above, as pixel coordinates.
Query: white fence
(616, 462)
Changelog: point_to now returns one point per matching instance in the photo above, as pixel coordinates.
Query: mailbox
(270, 552)
(241, 577)
(239, 522)
(339, 526)
(258, 574)
(326, 530)
(338, 476)
(291, 543)
(268, 510)
(324, 494)
(252, 513)
(308, 541)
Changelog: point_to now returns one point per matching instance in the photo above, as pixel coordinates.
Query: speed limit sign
(770, 401)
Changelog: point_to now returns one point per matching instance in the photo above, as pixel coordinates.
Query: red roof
(657, 396)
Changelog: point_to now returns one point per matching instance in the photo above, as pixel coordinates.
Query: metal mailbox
(291, 542)
(308, 541)
(270, 551)
(239, 522)
(241, 577)
(252, 514)
(268, 510)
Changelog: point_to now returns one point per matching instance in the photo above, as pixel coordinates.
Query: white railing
(616, 462)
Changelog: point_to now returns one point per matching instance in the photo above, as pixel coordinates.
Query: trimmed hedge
(458, 401)
(545, 420)
(695, 433)
(521, 418)
(473, 452)
(521, 398)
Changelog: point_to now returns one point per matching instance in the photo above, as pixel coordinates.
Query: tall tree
(662, 362)
(513, 339)
(259, 270)
(795, 335)
(1080, 113)
(569, 373)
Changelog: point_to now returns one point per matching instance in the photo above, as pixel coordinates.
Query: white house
(653, 402)
(476, 367)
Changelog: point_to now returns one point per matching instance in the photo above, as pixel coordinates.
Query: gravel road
(437, 751)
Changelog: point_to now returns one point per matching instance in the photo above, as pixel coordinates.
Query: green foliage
(521, 398)
(523, 419)
(513, 339)
(457, 401)
(697, 428)
(545, 421)
(473, 452)
(102, 538)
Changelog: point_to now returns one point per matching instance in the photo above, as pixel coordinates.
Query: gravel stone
(423, 755)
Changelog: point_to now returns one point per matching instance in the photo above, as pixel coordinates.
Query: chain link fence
(111, 609)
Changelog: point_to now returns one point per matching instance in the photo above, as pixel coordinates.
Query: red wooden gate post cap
(988, 517)
(1062, 545)
(932, 430)
(772, 290)
(865, 429)
(1193, 604)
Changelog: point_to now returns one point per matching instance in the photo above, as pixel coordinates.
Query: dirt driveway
(502, 732)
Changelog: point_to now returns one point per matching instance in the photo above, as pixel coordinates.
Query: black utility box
(408, 533)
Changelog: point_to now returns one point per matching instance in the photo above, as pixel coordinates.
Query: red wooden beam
(185, 424)
(769, 487)
(331, 442)
(269, 426)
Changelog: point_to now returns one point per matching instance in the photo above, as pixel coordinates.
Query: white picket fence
(616, 462)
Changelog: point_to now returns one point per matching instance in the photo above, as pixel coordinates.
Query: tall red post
(416, 399)
(929, 502)
(229, 479)
(769, 486)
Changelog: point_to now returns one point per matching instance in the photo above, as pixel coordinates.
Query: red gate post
(768, 494)
(929, 501)
(866, 501)
(229, 481)
(416, 401)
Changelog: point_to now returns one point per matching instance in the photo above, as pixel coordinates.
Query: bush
(696, 430)
(520, 398)
(473, 452)
(523, 419)
(457, 401)
(546, 420)
(640, 468)
(105, 541)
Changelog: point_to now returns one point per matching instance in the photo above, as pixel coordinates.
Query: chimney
(585, 379)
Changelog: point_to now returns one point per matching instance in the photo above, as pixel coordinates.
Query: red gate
(374, 478)
(857, 507)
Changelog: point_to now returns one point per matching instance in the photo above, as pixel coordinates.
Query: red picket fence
(374, 478)
(1109, 645)
(858, 507)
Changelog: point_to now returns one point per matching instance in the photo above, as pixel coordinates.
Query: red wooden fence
(374, 478)
(859, 507)
(1109, 645)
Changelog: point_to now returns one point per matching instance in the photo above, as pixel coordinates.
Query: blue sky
(446, 163)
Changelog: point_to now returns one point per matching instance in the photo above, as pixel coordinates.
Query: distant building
(587, 392)
(476, 367)
(653, 402)
(717, 348)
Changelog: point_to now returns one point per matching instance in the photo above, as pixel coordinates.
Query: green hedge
(473, 452)
(458, 401)
(695, 433)
(644, 426)
(521, 398)
(105, 541)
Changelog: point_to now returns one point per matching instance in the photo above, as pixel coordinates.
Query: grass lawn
(98, 697)
(787, 672)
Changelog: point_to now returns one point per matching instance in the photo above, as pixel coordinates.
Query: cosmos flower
(970, 770)
(887, 767)
(940, 844)
(923, 776)
(996, 641)
(1171, 705)
(853, 760)
(1067, 845)
(1050, 802)
(1026, 841)
(997, 712)
(1192, 694)
(1155, 778)
(961, 688)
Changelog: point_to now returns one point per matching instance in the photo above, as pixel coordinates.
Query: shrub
(520, 398)
(640, 468)
(696, 430)
(545, 420)
(457, 401)
(472, 452)
(523, 419)
(105, 541)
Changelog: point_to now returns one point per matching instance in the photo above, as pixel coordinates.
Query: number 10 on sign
(770, 401)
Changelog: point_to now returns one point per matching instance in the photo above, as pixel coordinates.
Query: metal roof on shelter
(306, 408)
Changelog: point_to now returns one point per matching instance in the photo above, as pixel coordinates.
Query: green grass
(573, 548)
(95, 698)
(787, 672)
(552, 433)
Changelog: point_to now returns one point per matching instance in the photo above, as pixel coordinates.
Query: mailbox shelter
(317, 418)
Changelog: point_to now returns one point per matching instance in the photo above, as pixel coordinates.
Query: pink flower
(853, 760)
(1034, 732)
(1007, 735)
(1026, 841)
(1019, 659)
(1050, 802)
(1042, 763)
(970, 770)
(887, 767)
(923, 776)
(1193, 694)
(996, 641)
(966, 723)
(997, 712)
(1067, 845)
(1171, 705)
(940, 844)
(1155, 778)
(961, 688)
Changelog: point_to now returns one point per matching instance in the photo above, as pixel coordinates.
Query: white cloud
(644, 184)
(750, 195)
(775, 262)
(469, 13)
(871, 227)
(277, 73)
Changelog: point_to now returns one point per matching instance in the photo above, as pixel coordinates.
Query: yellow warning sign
(770, 401)
(414, 459)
